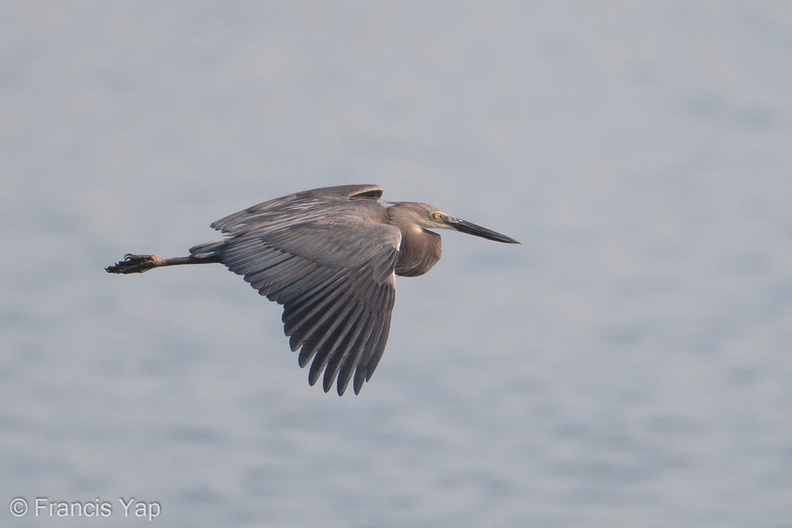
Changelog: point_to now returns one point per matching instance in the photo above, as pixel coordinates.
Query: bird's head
(413, 215)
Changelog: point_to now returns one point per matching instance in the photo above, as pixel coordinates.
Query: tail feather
(208, 250)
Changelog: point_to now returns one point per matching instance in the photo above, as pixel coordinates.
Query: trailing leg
(141, 263)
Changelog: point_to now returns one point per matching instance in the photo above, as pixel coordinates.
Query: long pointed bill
(472, 229)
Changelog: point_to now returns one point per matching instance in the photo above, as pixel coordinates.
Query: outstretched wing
(328, 257)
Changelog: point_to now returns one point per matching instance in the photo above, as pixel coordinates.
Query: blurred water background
(627, 365)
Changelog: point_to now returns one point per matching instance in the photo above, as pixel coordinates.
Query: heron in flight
(330, 257)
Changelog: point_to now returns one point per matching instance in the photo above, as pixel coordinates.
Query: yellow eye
(437, 216)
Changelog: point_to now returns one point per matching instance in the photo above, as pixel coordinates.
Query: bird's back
(301, 207)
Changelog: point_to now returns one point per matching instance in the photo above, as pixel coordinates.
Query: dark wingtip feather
(360, 378)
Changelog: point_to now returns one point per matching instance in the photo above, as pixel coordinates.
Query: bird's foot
(135, 264)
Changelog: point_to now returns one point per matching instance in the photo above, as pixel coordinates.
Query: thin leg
(141, 263)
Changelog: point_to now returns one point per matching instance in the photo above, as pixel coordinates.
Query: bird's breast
(418, 252)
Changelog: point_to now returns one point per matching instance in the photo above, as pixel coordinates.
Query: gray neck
(418, 253)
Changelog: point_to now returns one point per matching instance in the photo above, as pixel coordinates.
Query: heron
(329, 256)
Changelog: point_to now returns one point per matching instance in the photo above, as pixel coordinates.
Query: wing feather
(341, 349)
(328, 256)
(330, 340)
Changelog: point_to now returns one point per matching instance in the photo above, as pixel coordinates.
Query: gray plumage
(330, 257)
